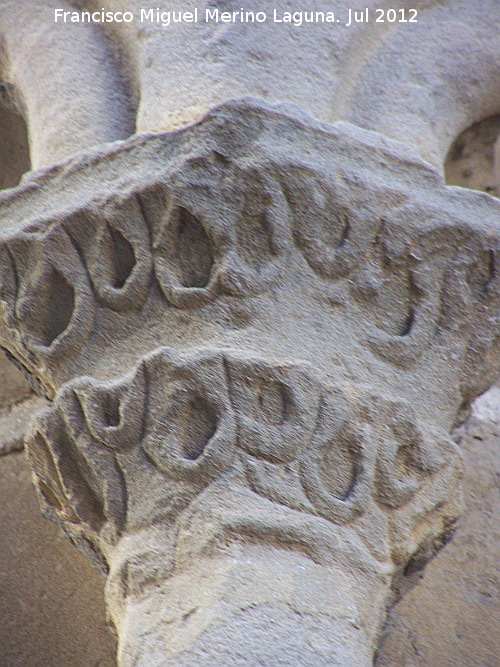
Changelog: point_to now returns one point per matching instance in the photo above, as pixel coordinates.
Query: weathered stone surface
(257, 333)
(452, 616)
(59, 246)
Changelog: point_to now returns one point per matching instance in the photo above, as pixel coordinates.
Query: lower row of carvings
(194, 242)
(119, 456)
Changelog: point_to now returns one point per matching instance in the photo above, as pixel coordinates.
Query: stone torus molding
(256, 334)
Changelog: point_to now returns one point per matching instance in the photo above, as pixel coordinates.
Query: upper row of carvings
(225, 219)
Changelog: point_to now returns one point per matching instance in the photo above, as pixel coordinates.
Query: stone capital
(256, 334)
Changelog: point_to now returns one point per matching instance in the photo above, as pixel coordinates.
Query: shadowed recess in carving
(111, 409)
(481, 273)
(123, 258)
(50, 495)
(408, 324)
(14, 145)
(273, 400)
(345, 233)
(55, 309)
(193, 251)
(253, 232)
(393, 304)
(338, 470)
(201, 424)
(60, 302)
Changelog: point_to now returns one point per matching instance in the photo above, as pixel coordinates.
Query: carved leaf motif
(54, 308)
(393, 306)
(184, 258)
(114, 411)
(223, 207)
(406, 312)
(222, 228)
(77, 474)
(190, 430)
(140, 449)
(276, 408)
(329, 229)
(260, 234)
(114, 243)
(336, 469)
(405, 458)
(58, 473)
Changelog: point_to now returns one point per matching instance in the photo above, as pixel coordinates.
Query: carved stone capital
(257, 333)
